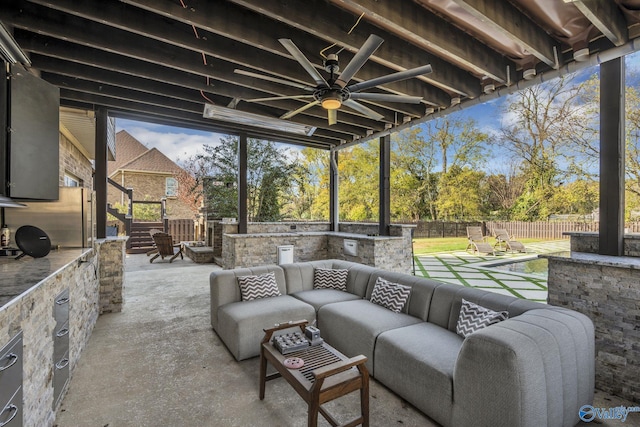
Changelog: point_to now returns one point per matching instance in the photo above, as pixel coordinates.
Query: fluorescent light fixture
(9, 48)
(250, 119)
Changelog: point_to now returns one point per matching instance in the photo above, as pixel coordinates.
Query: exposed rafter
(164, 59)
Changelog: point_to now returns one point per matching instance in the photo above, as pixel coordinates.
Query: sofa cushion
(474, 317)
(319, 297)
(390, 295)
(241, 324)
(417, 361)
(299, 276)
(353, 326)
(330, 278)
(258, 286)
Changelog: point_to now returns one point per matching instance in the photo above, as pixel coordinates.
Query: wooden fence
(181, 230)
(548, 230)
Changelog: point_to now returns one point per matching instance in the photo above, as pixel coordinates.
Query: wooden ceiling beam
(130, 19)
(191, 105)
(502, 16)
(332, 24)
(170, 113)
(244, 26)
(607, 17)
(413, 23)
(176, 87)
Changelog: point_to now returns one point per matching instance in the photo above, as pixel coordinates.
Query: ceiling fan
(334, 92)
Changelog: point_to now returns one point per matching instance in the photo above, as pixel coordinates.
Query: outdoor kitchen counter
(18, 277)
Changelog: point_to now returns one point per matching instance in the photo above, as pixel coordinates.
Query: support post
(334, 212)
(242, 184)
(384, 211)
(612, 157)
(100, 180)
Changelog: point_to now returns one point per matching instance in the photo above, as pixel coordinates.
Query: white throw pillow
(390, 295)
(474, 317)
(260, 286)
(330, 278)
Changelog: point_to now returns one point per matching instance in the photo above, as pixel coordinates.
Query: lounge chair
(165, 247)
(478, 242)
(504, 241)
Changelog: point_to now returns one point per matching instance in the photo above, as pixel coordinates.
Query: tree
(546, 129)
(459, 197)
(268, 171)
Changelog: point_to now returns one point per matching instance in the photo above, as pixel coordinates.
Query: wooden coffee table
(326, 375)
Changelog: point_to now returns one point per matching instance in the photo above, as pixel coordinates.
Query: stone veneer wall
(608, 294)
(259, 246)
(33, 315)
(590, 243)
(111, 273)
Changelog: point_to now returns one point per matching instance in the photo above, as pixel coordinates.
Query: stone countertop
(597, 259)
(313, 233)
(19, 276)
(630, 236)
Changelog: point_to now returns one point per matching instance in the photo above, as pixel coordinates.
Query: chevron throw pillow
(390, 295)
(256, 287)
(474, 317)
(330, 278)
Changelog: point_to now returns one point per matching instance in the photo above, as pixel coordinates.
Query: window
(171, 185)
(71, 181)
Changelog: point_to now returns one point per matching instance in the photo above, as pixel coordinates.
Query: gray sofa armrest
(224, 286)
(534, 369)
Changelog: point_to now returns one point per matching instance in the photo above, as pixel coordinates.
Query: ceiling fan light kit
(335, 92)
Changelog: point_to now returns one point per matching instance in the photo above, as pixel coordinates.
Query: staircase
(140, 239)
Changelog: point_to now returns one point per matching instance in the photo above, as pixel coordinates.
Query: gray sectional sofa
(534, 369)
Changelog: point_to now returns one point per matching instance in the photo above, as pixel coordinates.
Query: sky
(180, 144)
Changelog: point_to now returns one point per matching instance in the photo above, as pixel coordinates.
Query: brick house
(151, 174)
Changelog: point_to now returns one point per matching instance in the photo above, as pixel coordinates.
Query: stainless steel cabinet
(60, 346)
(11, 383)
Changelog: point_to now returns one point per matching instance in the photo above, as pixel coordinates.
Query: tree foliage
(541, 162)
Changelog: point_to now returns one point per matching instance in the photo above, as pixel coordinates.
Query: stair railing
(127, 218)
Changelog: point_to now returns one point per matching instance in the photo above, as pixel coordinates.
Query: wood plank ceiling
(162, 60)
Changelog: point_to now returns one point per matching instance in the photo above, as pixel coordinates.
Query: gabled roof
(132, 155)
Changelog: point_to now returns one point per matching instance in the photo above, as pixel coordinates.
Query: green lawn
(424, 245)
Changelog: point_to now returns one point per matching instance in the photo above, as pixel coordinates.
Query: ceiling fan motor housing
(331, 64)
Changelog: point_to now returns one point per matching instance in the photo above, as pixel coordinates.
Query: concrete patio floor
(158, 362)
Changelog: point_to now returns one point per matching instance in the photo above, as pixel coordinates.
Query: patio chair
(505, 241)
(478, 242)
(155, 248)
(165, 247)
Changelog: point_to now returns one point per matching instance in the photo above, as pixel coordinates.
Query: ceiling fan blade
(386, 97)
(390, 78)
(367, 49)
(306, 64)
(332, 116)
(274, 79)
(292, 113)
(278, 98)
(362, 109)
